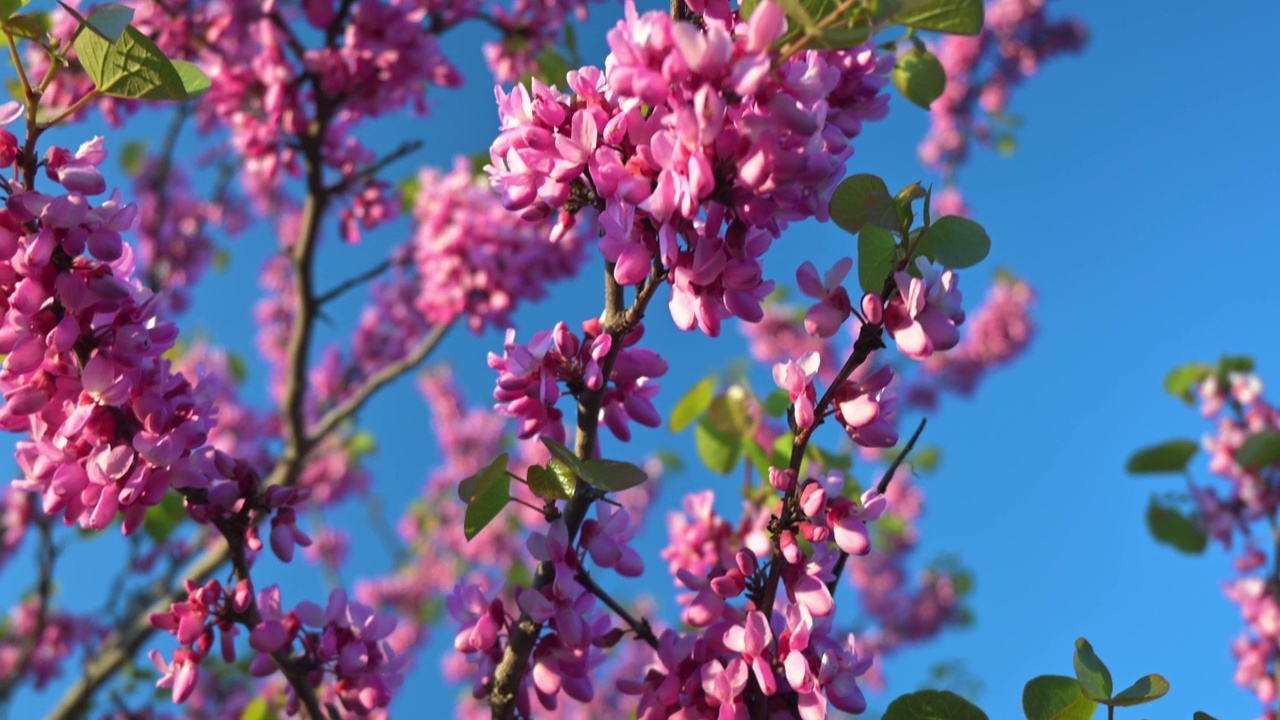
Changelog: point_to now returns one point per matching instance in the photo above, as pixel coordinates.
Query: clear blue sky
(1137, 204)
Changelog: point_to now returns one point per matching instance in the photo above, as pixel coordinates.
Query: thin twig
(353, 282)
(638, 625)
(883, 486)
(345, 184)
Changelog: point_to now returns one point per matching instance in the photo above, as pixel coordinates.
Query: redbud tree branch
(48, 555)
(122, 645)
(618, 320)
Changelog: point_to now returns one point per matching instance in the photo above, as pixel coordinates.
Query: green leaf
(720, 450)
(133, 67)
(841, 38)
(877, 257)
(9, 7)
(1172, 528)
(1170, 456)
(1259, 450)
(862, 199)
(563, 454)
(1147, 689)
(486, 494)
(799, 16)
(553, 68)
(1200, 715)
(161, 520)
(26, 26)
(958, 242)
(1091, 672)
(612, 475)
(257, 709)
(933, 705)
(545, 483)
(1235, 364)
(670, 459)
(756, 455)
(110, 20)
(955, 17)
(1056, 697)
(362, 443)
(132, 156)
(693, 404)
(728, 411)
(1182, 380)
(194, 81)
(237, 367)
(777, 403)
(919, 76)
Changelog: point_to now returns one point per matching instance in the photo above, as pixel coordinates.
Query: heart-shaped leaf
(486, 493)
(933, 705)
(612, 475)
(958, 242)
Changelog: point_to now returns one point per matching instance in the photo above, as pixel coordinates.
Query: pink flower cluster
(925, 315)
(678, 175)
(981, 71)
(709, 673)
(529, 378)
(112, 427)
(1250, 496)
(476, 261)
(864, 407)
(345, 640)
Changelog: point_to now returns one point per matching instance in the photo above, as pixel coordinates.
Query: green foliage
(777, 403)
(720, 434)
(877, 257)
(1092, 673)
(1201, 715)
(257, 709)
(919, 76)
(486, 493)
(612, 475)
(1146, 689)
(933, 705)
(1182, 380)
(132, 156)
(1170, 456)
(1259, 450)
(955, 17)
(563, 454)
(958, 242)
(362, 444)
(32, 27)
(1172, 528)
(9, 7)
(550, 484)
(129, 65)
(719, 449)
(162, 519)
(862, 199)
(1056, 697)
(693, 404)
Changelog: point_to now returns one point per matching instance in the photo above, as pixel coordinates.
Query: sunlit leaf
(919, 76)
(554, 482)
(1182, 380)
(877, 257)
(956, 17)
(1056, 697)
(862, 199)
(719, 450)
(693, 404)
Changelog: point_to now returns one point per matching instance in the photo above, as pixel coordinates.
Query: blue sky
(1138, 205)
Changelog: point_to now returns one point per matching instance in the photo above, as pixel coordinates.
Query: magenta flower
(796, 377)
(924, 316)
(834, 305)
